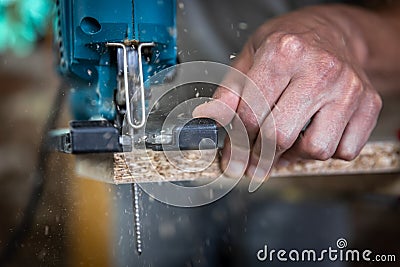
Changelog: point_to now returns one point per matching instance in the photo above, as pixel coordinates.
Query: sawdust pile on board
(376, 157)
(154, 166)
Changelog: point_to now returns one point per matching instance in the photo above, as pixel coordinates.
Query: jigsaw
(107, 51)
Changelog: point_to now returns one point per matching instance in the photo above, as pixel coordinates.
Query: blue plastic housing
(82, 29)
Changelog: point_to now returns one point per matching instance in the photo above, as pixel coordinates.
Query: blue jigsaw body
(107, 50)
(82, 30)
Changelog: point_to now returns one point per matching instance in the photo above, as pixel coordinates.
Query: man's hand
(310, 66)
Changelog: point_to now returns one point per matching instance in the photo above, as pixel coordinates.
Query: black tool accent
(88, 137)
(189, 136)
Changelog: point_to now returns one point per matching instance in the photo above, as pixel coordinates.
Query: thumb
(222, 111)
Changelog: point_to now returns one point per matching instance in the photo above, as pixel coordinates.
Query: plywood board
(376, 157)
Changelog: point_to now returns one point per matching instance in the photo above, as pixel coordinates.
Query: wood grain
(150, 166)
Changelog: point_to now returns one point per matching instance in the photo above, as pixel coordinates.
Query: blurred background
(72, 221)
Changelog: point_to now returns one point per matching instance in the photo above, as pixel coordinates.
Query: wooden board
(376, 157)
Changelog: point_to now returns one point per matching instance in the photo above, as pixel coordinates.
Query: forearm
(373, 37)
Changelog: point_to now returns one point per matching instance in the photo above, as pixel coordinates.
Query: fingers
(322, 136)
(221, 108)
(274, 67)
(298, 83)
(288, 118)
(328, 136)
(263, 154)
(271, 68)
(359, 127)
(252, 110)
(221, 111)
(306, 98)
(229, 91)
(336, 132)
(236, 151)
(234, 159)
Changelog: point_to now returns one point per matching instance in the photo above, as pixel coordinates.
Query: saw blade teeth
(136, 214)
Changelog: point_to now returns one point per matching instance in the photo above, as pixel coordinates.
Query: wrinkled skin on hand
(308, 69)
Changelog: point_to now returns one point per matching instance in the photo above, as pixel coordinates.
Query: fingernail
(257, 173)
(235, 169)
(282, 163)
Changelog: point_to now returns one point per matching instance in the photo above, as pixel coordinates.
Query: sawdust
(376, 157)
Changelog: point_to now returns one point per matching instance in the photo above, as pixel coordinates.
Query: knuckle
(347, 154)
(377, 101)
(355, 85)
(329, 66)
(290, 44)
(318, 150)
(371, 105)
(248, 118)
(284, 140)
(352, 90)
